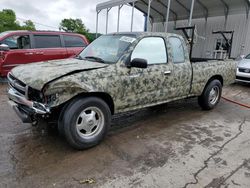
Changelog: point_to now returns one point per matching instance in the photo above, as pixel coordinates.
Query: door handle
(29, 53)
(134, 75)
(167, 72)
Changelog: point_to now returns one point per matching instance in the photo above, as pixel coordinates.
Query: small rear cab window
(178, 53)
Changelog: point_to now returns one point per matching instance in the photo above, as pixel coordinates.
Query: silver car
(243, 70)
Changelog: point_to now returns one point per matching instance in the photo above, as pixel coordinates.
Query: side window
(17, 42)
(47, 41)
(177, 50)
(152, 49)
(73, 41)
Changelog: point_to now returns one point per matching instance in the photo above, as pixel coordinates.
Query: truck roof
(139, 34)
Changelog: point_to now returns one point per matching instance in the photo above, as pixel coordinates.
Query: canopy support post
(204, 7)
(167, 16)
(247, 7)
(132, 17)
(225, 23)
(226, 10)
(97, 16)
(148, 16)
(118, 19)
(107, 19)
(191, 13)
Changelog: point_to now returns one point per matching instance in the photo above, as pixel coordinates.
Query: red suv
(22, 47)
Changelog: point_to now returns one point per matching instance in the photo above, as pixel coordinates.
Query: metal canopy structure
(173, 10)
(181, 9)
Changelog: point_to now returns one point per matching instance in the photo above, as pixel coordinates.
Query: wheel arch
(102, 95)
(215, 77)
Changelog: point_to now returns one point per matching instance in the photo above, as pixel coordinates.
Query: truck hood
(36, 75)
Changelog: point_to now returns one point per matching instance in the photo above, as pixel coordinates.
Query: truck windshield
(107, 48)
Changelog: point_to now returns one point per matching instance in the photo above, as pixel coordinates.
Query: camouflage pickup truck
(116, 73)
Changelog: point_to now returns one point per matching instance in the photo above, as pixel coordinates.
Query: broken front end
(28, 103)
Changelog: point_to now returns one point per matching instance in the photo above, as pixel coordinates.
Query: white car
(243, 70)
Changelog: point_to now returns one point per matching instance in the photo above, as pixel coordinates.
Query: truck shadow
(46, 135)
(123, 121)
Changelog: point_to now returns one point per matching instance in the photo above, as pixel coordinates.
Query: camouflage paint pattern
(36, 75)
(130, 88)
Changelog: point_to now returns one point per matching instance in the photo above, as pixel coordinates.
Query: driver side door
(147, 86)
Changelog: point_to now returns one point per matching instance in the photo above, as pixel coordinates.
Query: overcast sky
(51, 12)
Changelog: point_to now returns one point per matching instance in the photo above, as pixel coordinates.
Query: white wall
(238, 23)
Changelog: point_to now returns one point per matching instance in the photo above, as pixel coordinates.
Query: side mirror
(4, 47)
(139, 63)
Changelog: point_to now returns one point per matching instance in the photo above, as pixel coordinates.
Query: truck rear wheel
(85, 122)
(211, 95)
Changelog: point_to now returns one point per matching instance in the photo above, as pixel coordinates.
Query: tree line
(8, 21)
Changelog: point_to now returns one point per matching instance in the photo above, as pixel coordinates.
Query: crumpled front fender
(61, 91)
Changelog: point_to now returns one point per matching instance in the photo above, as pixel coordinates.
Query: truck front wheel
(211, 95)
(86, 122)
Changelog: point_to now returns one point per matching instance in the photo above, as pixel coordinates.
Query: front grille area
(35, 95)
(17, 85)
(28, 92)
(245, 70)
(242, 78)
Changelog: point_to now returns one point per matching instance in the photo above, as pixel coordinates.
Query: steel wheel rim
(90, 122)
(214, 95)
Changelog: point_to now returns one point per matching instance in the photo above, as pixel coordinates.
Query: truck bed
(204, 69)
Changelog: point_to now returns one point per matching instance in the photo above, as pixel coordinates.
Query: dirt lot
(175, 145)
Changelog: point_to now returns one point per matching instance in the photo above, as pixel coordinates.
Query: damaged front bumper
(26, 109)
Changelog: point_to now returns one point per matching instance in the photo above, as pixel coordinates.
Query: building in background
(207, 15)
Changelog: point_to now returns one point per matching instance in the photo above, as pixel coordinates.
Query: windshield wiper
(95, 58)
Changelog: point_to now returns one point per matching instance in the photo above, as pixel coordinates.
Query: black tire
(205, 101)
(73, 113)
(60, 126)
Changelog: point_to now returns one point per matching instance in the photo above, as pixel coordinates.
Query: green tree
(8, 22)
(76, 26)
(28, 25)
(73, 25)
